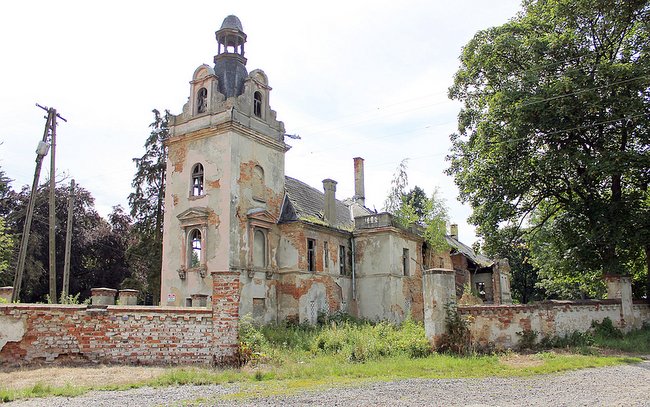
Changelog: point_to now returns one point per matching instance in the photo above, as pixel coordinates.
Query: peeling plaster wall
(499, 324)
(208, 150)
(302, 294)
(384, 292)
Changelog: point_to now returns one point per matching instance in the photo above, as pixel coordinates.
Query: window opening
(311, 254)
(342, 260)
(480, 288)
(405, 261)
(259, 249)
(258, 182)
(202, 100)
(257, 104)
(197, 180)
(195, 249)
(326, 254)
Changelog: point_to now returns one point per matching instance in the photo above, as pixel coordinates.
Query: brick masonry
(76, 333)
(499, 325)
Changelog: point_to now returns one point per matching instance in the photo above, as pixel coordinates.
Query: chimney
(359, 190)
(329, 211)
(454, 231)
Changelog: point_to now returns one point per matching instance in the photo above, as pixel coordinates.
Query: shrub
(251, 341)
(457, 339)
(606, 329)
(527, 339)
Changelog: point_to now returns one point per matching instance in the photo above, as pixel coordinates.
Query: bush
(457, 339)
(606, 329)
(251, 341)
(527, 339)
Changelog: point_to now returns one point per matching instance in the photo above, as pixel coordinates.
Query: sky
(352, 78)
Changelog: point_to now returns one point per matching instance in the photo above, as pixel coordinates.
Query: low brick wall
(499, 325)
(32, 333)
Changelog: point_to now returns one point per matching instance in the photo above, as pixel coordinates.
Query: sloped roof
(304, 202)
(467, 251)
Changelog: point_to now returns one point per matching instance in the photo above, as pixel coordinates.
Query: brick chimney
(359, 189)
(454, 231)
(329, 211)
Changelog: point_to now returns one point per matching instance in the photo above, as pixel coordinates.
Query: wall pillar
(128, 297)
(438, 290)
(620, 287)
(102, 296)
(6, 293)
(225, 316)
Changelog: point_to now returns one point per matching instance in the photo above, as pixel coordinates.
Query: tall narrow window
(195, 249)
(326, 254)
(197, 180)
(202, 100)
(259, 249)
(405, 261)
(258, 183)
(342, 260)
(311, 254)
(257, 104)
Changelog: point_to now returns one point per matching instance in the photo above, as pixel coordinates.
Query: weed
(457, 339)
(527, 339)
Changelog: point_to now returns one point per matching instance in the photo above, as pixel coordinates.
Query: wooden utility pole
(52, 245)
(68, 243)
(41, 152)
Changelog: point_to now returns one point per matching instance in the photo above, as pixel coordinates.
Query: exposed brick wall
(225, 306)
(135, 335)
(499, 324)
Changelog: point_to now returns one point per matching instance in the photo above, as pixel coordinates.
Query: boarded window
(405, 262)
(197, 180)
(202, 100)
(257, 104)
(311, 254)
(342, 267)
(326, 254)
(195, 249)
(259, 249)
(259, 309)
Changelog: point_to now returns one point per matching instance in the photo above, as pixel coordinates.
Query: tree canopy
(554, 132)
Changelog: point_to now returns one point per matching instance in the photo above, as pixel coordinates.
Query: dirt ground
(95, 376)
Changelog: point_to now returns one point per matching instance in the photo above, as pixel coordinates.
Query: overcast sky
(352, 78)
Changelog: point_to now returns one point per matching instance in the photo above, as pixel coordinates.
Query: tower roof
(232, 22)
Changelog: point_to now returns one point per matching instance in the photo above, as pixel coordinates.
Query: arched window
(202, 100)
(259, 249)
(194, 259)
(197, 180)
(257, 104)
(258, 183)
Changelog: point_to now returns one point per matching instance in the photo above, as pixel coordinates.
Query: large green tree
(147, 203)
(555, 131)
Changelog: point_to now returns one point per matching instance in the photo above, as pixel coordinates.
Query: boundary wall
(34, 333)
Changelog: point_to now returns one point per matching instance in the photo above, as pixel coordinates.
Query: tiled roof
(467, 251)
(307, 203)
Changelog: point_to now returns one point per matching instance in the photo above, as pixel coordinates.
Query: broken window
(326, 254)
(195, 249)
(257, 104)
(259, 248)
(311, 254)
(480, 288)
(202, 100)
(197, 180)
(405, 262)
(342, 260)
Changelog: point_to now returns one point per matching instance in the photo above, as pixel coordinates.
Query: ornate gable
(193, 216)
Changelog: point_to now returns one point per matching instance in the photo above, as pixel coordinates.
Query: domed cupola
(229, 63)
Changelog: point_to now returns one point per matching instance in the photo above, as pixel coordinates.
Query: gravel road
(626, 385)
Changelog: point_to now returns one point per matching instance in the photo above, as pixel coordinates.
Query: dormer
(204, 91)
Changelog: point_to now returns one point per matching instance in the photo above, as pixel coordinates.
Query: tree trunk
(647, 281)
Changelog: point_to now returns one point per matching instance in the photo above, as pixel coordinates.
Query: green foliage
(554, 132)
(527, 339)
(251, 341)
(146, 203)
(457, 339)
(606, 329)
(636, 341)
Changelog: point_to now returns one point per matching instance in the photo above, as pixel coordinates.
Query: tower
(225, 177)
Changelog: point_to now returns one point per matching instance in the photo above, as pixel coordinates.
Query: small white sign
(171, 297)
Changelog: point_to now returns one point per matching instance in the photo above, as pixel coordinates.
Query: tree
(7, 240)
(554, 131)
(147, 202)
(414, 207)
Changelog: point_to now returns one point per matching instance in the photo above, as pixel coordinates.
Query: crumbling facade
(230, 209)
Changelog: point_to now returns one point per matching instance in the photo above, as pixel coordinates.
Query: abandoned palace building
(297, 251)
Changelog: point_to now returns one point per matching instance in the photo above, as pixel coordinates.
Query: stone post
(620, 287)
(6, 293)
(102, 296)
(329, 210)
(225, 316)
(128, 297)
(438, 290)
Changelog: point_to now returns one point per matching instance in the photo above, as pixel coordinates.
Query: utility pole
(41, 152)
(52, 217)
(68, 242)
